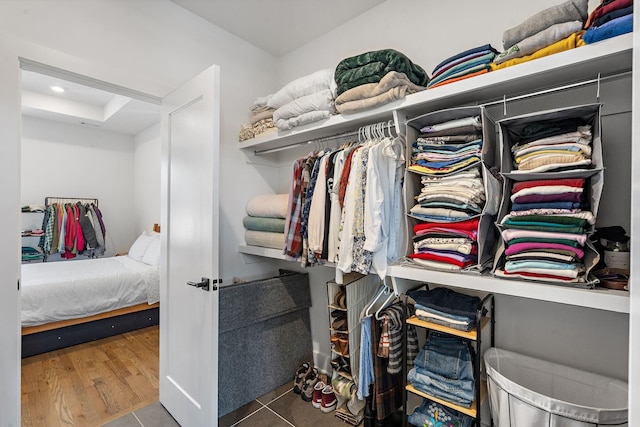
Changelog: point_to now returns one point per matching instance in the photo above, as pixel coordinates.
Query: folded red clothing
(539, 275)
(468, 225)
(569, 182)
(432, 257)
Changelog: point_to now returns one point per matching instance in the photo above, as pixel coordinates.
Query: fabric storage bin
(264, 336)
(529, 392)
(489, 158)
(511, 128)
(592, 190)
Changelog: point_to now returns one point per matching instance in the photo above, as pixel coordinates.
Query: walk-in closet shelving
(474, 336)
(587, 63)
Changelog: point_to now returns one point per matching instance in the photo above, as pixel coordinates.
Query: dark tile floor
(280, 408)
(153, 415)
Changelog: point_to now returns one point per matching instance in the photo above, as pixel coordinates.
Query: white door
(189, 313)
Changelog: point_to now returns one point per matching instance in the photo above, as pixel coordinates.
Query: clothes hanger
(390, 297)
(367, 309)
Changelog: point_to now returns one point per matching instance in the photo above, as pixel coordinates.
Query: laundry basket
(529, 392)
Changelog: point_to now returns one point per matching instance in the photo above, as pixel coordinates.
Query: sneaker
(309, 382)
(317, 394)
(329, 401)
(298, 379)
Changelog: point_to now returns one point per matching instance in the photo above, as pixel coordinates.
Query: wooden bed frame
(53, 336)
(56, 335)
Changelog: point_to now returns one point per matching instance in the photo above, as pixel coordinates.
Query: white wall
(65, 160)
(146, 179)
(429, 32)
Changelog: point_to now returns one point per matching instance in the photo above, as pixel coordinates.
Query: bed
(69, 302)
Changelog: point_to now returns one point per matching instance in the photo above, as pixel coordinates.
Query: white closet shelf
(586, 62)
(600, 299)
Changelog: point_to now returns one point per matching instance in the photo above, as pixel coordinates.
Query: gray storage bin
(264, 336)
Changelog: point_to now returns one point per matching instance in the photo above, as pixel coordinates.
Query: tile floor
(280, 408)
(153, 415)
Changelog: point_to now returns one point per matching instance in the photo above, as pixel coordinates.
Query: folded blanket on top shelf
(371, 67)
(257, 223)
(571, 10)
(539, 40)
(306, 85)
(318, 101)
(391, 87)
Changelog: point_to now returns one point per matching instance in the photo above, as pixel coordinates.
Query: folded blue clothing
(463, 207)
(549, 265)
(432, 414)
(446, 148)
(438, 165)
(611, 16)
(612, 28)
(468, 319)
(455, 391)
(459, 61)
(459, 73)
(438, 218)
(487, 47)
(447, 301)
(484, 59)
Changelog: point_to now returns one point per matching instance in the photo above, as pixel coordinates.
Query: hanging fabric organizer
(450, 150)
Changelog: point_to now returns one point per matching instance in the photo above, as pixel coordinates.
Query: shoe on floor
(329, 401)
(317, 394)
(309, 382)
(298, 379)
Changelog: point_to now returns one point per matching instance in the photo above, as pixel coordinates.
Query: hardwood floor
(91, 384)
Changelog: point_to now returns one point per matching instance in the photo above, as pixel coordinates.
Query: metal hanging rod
(597, 80)
(360, 132)
(63, 200)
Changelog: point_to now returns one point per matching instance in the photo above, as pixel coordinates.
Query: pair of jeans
(444, 368)
(432, 414)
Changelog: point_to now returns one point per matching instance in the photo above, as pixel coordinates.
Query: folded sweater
(571, 10)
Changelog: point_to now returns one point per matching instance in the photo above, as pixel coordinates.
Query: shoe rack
(345, 303)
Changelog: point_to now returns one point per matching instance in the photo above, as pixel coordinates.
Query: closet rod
(322, 139)
(558, 89)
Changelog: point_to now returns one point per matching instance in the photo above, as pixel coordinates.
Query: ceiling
(84, 105)
(278, 26)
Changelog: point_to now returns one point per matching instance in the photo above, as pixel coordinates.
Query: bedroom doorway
(79, 141)
(189, 158)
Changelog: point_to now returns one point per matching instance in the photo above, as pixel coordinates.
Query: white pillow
(152, 255)
(139, 247)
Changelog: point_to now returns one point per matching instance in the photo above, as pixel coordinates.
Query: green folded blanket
(257, 223)
(370, 67)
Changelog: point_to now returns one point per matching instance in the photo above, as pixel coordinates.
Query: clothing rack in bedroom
(380, 129)
(64, 200)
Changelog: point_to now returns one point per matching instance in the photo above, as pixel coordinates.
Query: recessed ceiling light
(58, 89)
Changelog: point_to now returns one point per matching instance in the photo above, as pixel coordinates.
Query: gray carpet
(265, 336)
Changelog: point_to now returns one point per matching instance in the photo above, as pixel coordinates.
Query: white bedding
(54, 291)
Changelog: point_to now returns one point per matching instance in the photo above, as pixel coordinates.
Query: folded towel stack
(469, 63)
(376, 78)
(260, 119)
(305, 100)
(264, 223)
(609, 19)
(549, 31)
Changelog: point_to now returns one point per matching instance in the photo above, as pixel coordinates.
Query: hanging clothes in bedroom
(72, 229)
